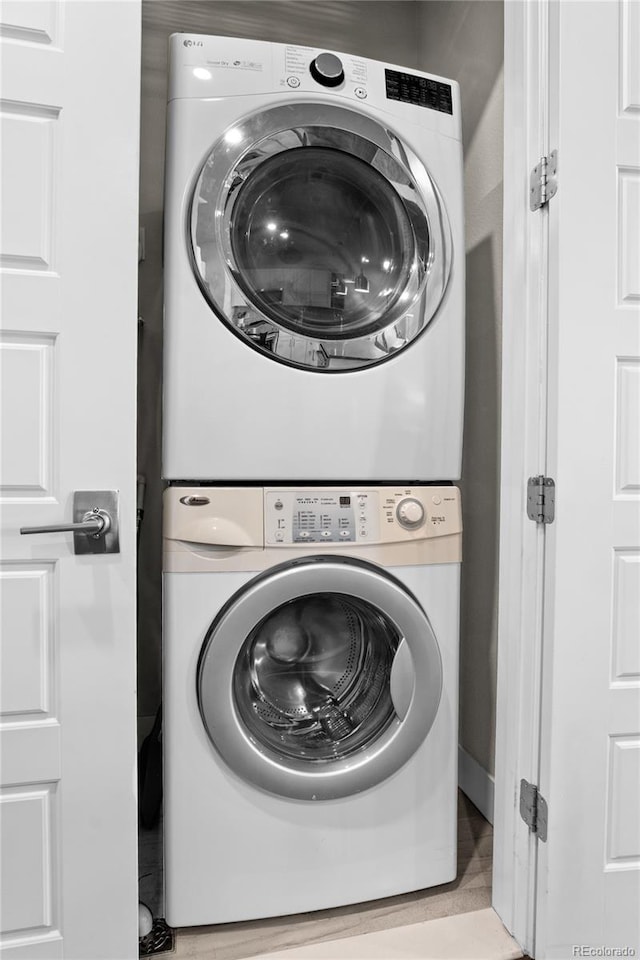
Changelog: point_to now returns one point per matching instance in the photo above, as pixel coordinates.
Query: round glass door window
(319, 238)
(322, 244)
(307, 679)
(313, 679)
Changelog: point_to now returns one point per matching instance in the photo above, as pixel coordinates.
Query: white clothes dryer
(310, 697)
(314, 266)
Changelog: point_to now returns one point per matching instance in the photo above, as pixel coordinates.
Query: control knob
(327, 70)
(410, 513)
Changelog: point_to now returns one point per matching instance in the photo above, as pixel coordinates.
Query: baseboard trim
(476, 782)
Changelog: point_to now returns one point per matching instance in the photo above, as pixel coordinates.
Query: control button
(278, 504)
(360, 93)
(293, 82)
(279, 535)
(410, 513)
(304, 534)
(345, 533)
(436, 500)
(325, 533)
(363, 532)
(327, 70)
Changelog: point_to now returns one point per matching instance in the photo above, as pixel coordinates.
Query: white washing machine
(314, 266)
(310, 696)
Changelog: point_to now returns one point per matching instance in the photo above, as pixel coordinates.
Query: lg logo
(192, 43)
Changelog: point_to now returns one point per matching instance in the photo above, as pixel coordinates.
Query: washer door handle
(402, 680)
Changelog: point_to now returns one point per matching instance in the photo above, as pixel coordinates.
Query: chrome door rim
(251, 760)
(256, 136)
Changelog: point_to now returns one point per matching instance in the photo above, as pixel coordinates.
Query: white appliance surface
(251, 400)
(233, 850)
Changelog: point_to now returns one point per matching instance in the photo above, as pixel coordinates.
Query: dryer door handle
(402, 680)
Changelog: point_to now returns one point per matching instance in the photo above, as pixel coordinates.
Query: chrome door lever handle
(94, 528)
(95, 523)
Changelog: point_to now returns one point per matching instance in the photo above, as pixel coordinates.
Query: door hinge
(543, 183)
(541, 499)
(533, 809)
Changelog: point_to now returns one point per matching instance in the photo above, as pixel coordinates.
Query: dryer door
(319, 678)
(319, 237)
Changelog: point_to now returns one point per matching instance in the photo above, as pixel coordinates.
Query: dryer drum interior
(318, 237)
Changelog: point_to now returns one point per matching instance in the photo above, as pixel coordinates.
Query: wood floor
(471, 891)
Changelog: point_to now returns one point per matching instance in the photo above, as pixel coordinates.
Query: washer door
(319, 679)
(318, 237)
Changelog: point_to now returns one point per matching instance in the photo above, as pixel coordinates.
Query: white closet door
(68, 265)
(588, 886)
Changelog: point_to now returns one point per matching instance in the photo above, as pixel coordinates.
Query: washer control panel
(416, 513)
(374, 515)
(321, 516)
(410, 513)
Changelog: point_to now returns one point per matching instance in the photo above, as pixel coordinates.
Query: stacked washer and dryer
(313, 399)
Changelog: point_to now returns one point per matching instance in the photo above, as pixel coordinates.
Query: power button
(360, 93)
(293, 81)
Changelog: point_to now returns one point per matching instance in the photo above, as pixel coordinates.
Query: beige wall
(462, 40)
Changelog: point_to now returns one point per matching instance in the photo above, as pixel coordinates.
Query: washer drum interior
(320, 678)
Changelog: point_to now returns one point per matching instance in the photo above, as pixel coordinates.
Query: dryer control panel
(204, 67)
